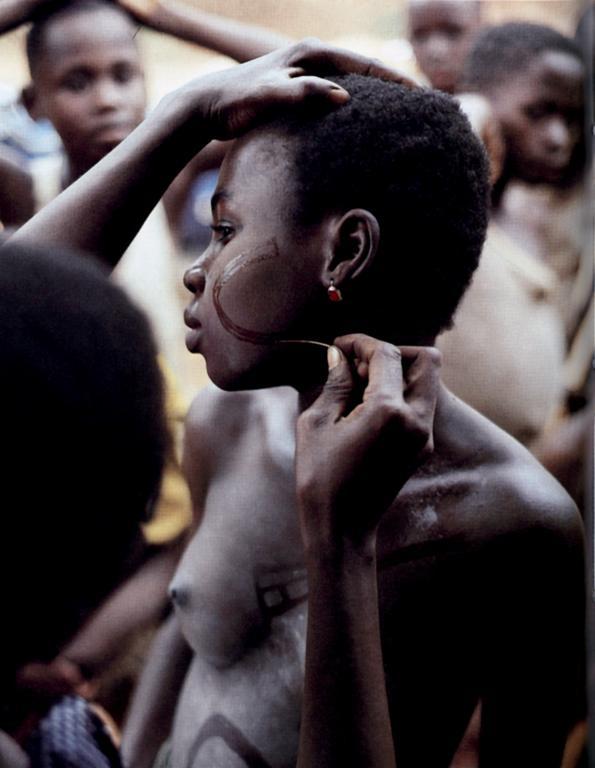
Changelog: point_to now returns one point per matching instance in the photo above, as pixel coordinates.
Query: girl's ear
(354, 246)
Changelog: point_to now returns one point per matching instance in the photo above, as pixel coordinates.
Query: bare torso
(451, 552)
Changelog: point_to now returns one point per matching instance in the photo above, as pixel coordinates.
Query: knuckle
(310, 420)
(387, 351)
(392, 352)
(338, 387)
(387, 409)
(433, 356)
(308, 88)
(307, 46)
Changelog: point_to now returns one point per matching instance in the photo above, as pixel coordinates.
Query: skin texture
(454, 626)
(541, 115)
(441, 33)
(248, 659)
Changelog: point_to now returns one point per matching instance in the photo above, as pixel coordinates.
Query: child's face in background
(541, 115)
(89, 82)
(441, 33)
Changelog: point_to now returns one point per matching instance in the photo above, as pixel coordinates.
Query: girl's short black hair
(411, 158)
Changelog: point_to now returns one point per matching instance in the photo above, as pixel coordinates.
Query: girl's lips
(194, 333)
(193, 337)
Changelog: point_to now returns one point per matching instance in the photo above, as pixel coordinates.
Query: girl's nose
(195, 278)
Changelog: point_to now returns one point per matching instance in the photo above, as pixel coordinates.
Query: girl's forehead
(90, 31)
(260, 153)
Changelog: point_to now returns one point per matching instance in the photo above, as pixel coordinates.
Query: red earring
(334, 294)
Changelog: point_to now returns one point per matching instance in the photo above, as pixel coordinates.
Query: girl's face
(260, 281)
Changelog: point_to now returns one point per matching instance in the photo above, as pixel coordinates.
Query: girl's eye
(223, 231)
(76, 82)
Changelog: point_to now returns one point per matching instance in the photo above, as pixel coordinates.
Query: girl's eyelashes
(222, 231)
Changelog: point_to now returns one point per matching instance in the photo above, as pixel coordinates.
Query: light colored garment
(504, 355)
(173, 511)
(554, 226)
(151, 272)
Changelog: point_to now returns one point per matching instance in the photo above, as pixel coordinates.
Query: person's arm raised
(236, 39)
(13, 13)
(352, 459)
(104, 209)
(220, 34)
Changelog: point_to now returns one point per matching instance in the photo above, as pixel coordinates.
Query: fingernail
(339, 94)
(333, 357)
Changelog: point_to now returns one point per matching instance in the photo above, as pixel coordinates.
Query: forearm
(15, 12)
(345, 719)
(138, 603)
(238, 40)
(103, 210)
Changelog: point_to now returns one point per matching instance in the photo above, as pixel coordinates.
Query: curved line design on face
(241, 262)
(218, 726)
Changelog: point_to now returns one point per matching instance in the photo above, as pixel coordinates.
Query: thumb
(336, 393)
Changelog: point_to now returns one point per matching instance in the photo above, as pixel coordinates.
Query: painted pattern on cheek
(246, 270)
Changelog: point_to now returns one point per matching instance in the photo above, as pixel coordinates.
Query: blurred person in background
(441, 33)
(83, 421)
(534, 80)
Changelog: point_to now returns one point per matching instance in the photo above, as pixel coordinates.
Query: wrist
(334, 533)
(339, 551)
(343, 575)
(184, 113)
